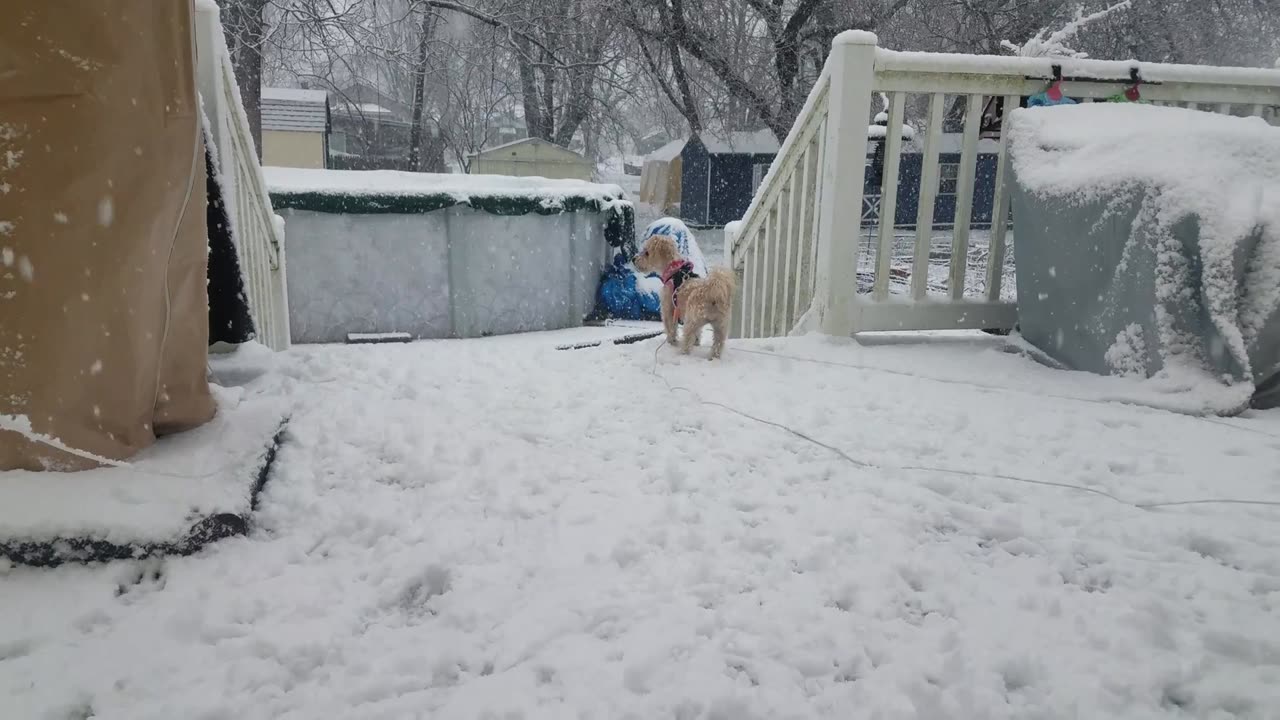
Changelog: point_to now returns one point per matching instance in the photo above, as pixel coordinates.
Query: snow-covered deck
(495, 528)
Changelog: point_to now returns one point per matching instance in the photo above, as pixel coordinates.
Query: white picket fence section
(796, 248)
(259, 237)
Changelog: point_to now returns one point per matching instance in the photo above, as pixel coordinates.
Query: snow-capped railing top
(1041, 68)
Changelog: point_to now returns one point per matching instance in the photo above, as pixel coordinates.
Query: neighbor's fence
(796, 248)
(259, 237)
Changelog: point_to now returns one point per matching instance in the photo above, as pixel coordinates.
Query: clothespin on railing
(1055, 86)
(1132, 93)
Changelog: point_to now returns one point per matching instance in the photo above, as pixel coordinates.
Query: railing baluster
(1000, 208)
(791, 270)
(1224, 108)
(749, 301)
(740, 312)
(804, 270)
(1257, 110)
(770, 270)
(928, 199)
(819, 182)
(762, 279)
(783, 266)
(889, 196)
(964, 197)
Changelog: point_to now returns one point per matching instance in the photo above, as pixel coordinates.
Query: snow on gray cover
(1222, 170)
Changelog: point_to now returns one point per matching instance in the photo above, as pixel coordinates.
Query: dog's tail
(727, 282)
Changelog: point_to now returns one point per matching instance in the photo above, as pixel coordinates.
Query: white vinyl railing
(259, 237)
(796, 249)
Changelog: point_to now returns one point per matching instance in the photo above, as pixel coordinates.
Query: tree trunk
(529, 92)
(686, 94)
(244, 27)
(418, 111)
(548, 100)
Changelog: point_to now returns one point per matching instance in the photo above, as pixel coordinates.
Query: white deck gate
(259, 239)
(796, 248)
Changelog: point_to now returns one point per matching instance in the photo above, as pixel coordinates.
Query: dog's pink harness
(675, 275)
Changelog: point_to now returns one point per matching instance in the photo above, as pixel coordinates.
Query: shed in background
(720, 174)
(295, 127)
(660, 177)
(532, 157)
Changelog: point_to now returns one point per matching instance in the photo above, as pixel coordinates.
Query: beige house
(531, 156)
(295, 128)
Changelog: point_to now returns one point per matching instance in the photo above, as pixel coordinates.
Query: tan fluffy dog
(701, 301)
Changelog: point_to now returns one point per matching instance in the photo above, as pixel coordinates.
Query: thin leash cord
(997, 388)
(937, 470)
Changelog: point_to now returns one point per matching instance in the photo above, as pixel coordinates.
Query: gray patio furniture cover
(1148, 244)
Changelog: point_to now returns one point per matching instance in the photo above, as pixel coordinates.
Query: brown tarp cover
(103, 245)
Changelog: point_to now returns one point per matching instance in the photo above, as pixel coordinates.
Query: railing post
(737, 324)
(852, 62)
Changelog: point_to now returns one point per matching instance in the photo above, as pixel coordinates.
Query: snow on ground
(496, 529)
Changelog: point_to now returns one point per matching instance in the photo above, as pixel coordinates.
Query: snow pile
(498, 529)
(879, 132)
(1178, 165)
(461, 187)
(1128, 354)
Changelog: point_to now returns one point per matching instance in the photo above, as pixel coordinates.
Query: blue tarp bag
(621, 299)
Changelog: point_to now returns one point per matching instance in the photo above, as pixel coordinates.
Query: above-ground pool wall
(453, 272)
(512, 274)
(366, 273)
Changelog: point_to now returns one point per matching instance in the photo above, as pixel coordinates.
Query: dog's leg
(692, 329)
(669, 322)
(720, 334)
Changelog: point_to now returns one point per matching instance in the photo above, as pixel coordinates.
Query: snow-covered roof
(529, 141)
(753, 142)
(366, 109)
(668, 152)
(294, 109)
(394, 182)
(297, 95)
